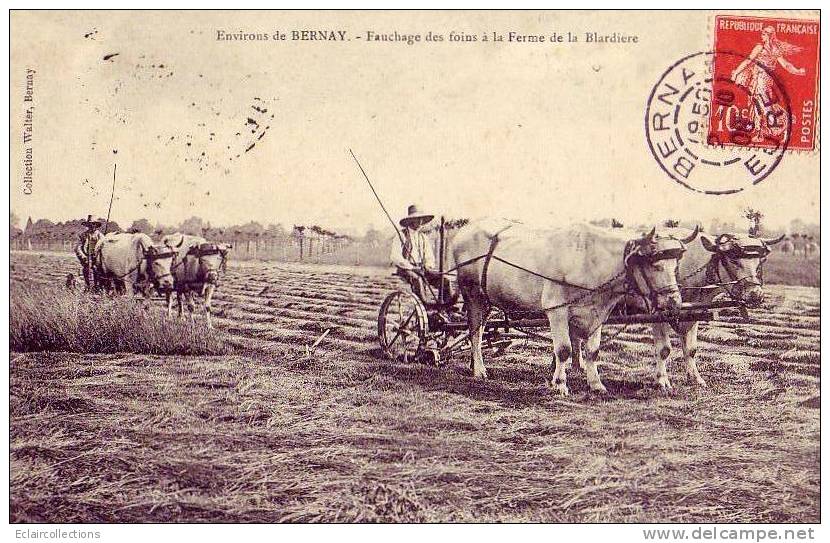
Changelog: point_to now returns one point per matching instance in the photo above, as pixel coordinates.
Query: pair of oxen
(578, 275)
(187, 265)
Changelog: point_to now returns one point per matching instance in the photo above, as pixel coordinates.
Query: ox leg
(591, 357)
(560, 335)
(144, 299)
(191, 306)
(208, 297)
(168, 298)
(576, 355)
(477, 310)
(690, 354)
(128, 288)
(179, 302)
(662, 350)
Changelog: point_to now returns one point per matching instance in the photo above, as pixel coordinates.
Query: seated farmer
(85, 250)
(414, 258)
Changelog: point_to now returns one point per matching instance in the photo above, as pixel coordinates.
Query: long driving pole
(388, 216)
(112, 196)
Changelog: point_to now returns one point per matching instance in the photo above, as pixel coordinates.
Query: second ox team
(128, 263)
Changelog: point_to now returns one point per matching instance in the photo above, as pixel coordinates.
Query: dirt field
(270, 434)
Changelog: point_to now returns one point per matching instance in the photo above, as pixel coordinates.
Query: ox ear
(650, 236)
(228, 246)
(708, 244)
(691, 237)
(773, 241)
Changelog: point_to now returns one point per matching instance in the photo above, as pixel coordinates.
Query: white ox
(728, 263)
(584, 263)
(132, 263)
(196, 271)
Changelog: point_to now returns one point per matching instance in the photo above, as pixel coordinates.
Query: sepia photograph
(424, 266)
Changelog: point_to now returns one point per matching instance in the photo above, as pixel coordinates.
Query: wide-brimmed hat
(414, 216)
(90, 223)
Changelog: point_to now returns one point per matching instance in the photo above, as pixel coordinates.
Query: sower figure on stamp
(413, 256)
(754, 74)
(85, 250)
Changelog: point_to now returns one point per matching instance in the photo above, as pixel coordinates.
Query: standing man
(85, 250)
(414, 258)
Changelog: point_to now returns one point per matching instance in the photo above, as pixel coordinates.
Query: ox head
(211, 258)
(741, 258)
(651, 267)
(159, 261)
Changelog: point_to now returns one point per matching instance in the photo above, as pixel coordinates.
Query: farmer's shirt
(86, 243)
(415, 252)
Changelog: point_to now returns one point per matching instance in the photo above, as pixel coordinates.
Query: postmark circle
(714, 133)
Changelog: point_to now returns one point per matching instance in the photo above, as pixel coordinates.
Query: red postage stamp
(765, 83)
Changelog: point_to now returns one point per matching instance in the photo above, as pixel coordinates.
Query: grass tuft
(51, 319)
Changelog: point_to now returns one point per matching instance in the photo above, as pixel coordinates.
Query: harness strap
(489, 255)
(588, 292)
(465, 263)
(627, 272)
(485, 268)
(148, 258)
(545, 277)
(134, 268)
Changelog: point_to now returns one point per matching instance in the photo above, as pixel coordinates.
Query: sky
(234, 131)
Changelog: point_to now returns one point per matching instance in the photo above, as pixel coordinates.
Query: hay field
(270, 433)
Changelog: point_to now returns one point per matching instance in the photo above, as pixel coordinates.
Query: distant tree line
(44, 230)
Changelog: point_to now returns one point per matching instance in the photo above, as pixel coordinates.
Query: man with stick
(412, 251)
(413, 257)
(85, 250)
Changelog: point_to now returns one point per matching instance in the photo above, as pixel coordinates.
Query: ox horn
(650, 236)
(691, 237)
(773, 241)
(180, 242)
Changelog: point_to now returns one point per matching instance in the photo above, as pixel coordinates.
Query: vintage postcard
(416, 267)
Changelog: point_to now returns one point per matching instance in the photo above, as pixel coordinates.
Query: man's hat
(413, 216)
(89, 223)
